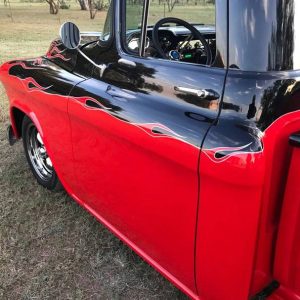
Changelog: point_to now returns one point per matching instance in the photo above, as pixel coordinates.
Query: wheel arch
(17, 115)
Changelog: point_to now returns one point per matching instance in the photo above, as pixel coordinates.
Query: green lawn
(50, 248)
(32, 29)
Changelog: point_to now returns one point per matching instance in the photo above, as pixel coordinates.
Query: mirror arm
(101, 67)
(68, 30)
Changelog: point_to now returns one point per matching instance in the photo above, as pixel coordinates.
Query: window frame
(107, 43)
(217, 63)
(124, 46)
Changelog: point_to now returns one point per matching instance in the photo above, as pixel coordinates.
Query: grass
(50, 248)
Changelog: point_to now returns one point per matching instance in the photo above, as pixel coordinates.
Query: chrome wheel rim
(38, 155)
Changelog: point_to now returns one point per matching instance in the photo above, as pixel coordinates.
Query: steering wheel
(195, 34)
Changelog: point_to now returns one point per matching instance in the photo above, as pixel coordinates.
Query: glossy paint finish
(255, 107)
(278, 160)
(256, 119)
(147, 138)
(287, 259)
(193, 186)
(264, 35)
(33, 85)
(259, 110)
(154, 135)
(265, 105)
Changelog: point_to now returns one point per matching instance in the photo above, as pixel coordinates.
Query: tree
(54, 6)
(7, 2)
(95, 6)
(92, 9)
(83, 4)
(171, 4)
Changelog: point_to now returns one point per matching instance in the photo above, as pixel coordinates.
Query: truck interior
(171, 32)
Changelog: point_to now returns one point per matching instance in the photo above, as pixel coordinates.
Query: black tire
(37, 157)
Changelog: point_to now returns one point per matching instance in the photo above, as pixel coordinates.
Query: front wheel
(37, 156)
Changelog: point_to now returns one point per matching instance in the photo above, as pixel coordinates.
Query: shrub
(64, 5)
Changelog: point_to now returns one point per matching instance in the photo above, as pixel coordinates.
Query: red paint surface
(287, 254)
(144, 185)
(277, 157)
(151, 204)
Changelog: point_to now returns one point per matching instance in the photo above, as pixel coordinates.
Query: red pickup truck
(182, 137)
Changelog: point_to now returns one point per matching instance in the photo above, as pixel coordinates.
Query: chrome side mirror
(70, 35)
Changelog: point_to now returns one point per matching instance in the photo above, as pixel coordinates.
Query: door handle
(206, 94)
(127, 62)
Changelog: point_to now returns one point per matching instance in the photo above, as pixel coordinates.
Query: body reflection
(263, 36)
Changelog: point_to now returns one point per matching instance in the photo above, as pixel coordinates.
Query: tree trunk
(83, 4)
(53, 7)
(93, 11)
(171, 4)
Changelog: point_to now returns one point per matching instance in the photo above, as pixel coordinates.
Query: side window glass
(134, 15)
(177, 30)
